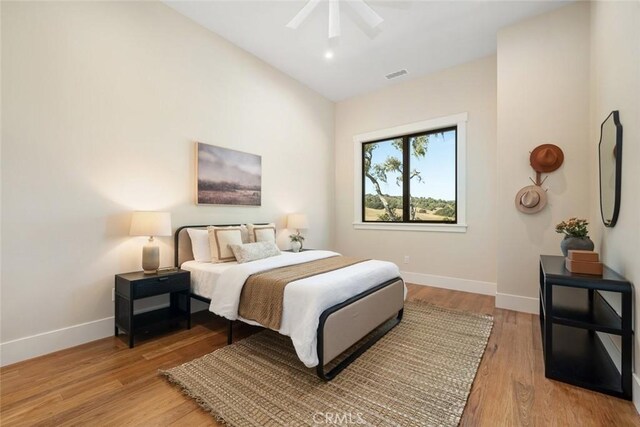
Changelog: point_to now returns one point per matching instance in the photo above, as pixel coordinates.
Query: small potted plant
(296, 241)
(576, 235)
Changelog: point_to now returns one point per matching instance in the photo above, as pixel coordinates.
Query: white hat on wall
(531, 199)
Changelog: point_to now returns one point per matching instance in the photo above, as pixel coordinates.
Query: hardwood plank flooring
(105, 382)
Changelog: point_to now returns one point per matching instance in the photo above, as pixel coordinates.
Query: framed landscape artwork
(227, 177)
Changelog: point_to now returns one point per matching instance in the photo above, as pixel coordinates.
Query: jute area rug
(419, 374)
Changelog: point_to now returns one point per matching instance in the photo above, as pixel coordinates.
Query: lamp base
(150, 257)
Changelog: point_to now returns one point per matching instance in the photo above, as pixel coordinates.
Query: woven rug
(419, 374)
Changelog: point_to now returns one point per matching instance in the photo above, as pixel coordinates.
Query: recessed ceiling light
(328, 54)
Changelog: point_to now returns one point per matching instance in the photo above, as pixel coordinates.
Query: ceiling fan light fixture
(303, 14)
(368, 15)
(334, 19)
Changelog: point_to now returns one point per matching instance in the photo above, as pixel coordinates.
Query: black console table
(572, 310)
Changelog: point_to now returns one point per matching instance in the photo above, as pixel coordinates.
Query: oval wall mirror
(610, 151)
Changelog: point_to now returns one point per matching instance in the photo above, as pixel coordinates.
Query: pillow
(219, 240)
(254, 251)
(244, 231)
(200, 244)
(262, 233)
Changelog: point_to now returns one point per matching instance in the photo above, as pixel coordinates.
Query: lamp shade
(297, 221)
(150, 224)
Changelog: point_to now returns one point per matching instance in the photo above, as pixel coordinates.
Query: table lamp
(150, 224)
(297, 222)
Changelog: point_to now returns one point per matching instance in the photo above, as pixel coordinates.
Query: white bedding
(304, 300)
(204, 275)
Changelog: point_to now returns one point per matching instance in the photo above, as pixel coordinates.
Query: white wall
(615, 85)
(543, 97)
(101, 105)
(435, 258)
(0, 168)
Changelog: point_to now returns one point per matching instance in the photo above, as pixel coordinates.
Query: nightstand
(137, 285)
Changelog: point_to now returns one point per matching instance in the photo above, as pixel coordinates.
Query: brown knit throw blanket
(262, 295)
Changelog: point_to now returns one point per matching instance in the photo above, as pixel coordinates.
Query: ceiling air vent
(396, 74)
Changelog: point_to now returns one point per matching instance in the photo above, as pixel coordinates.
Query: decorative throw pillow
(219, 240)
(262, 233)
(200, 244)
(244, 231)
(254, 251)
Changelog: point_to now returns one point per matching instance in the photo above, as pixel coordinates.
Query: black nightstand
(137, 285)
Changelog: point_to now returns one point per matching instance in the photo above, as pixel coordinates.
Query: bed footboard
(343, 325)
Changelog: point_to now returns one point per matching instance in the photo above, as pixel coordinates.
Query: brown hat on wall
(531, 199)
(546, 158)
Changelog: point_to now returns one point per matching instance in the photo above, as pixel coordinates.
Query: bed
(324, 315)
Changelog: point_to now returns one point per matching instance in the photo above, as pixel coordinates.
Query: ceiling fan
(359, 6)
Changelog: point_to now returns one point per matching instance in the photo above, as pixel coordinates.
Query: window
(412, 177)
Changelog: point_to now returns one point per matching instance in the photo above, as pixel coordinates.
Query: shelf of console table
(572, 312)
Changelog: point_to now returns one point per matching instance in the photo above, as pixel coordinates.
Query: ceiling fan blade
(334, 18)
(303, 14)
(366, 13)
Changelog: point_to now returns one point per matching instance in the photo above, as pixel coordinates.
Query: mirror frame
(616, 202)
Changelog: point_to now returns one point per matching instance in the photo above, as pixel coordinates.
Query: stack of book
(584, 262)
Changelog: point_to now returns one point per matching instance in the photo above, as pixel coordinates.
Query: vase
(575, 243)
(296, 246)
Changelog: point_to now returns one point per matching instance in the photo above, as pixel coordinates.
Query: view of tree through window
(410, 178)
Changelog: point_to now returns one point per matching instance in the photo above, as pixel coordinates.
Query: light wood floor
(104, 382)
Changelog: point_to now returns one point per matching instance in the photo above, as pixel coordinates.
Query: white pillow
(244, 231)
(200, 244)
(254, 251)
(262, 233)
(220, 238)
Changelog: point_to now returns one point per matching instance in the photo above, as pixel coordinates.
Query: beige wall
(543, 97)
(101, 105)
(467, 88)
(615, 79)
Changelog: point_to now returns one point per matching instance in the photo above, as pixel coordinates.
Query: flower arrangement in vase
(576, 235)
(296, 241)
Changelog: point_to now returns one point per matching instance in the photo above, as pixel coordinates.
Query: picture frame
(227, 177)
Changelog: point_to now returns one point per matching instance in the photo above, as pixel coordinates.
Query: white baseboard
(48, 342)
(453, 283)
(517, 303)
(636, 392)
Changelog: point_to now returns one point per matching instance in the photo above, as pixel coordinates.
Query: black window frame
(406, 185)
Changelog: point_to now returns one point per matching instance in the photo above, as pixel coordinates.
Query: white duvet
(304, 300)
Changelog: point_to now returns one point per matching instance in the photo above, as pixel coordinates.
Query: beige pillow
(262, 233)
(254, 251)
(244, 231)
(219, 240)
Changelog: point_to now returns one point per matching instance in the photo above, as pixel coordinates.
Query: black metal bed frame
(381, 331)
